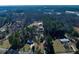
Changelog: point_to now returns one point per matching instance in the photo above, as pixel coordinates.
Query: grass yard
(4, 44)
(26, 48)
(58, 47)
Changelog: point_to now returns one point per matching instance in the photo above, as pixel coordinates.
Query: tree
(75, 34)
(14, 39)
(49, 45)
(77, 46)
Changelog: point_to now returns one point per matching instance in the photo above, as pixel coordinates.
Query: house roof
(64, 40)
(30, 41)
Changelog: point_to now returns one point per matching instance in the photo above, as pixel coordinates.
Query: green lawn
(4, 44)
(58, 47)
(26, 48)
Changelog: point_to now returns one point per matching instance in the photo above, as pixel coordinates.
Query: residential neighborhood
(39, 30)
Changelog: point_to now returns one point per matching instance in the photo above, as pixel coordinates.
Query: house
(64, 40)
(38, 29)
(29, 41)
(2, 32)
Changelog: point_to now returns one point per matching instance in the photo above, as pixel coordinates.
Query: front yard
(58, 47)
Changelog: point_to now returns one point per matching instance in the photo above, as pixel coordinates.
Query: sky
(39, 2)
